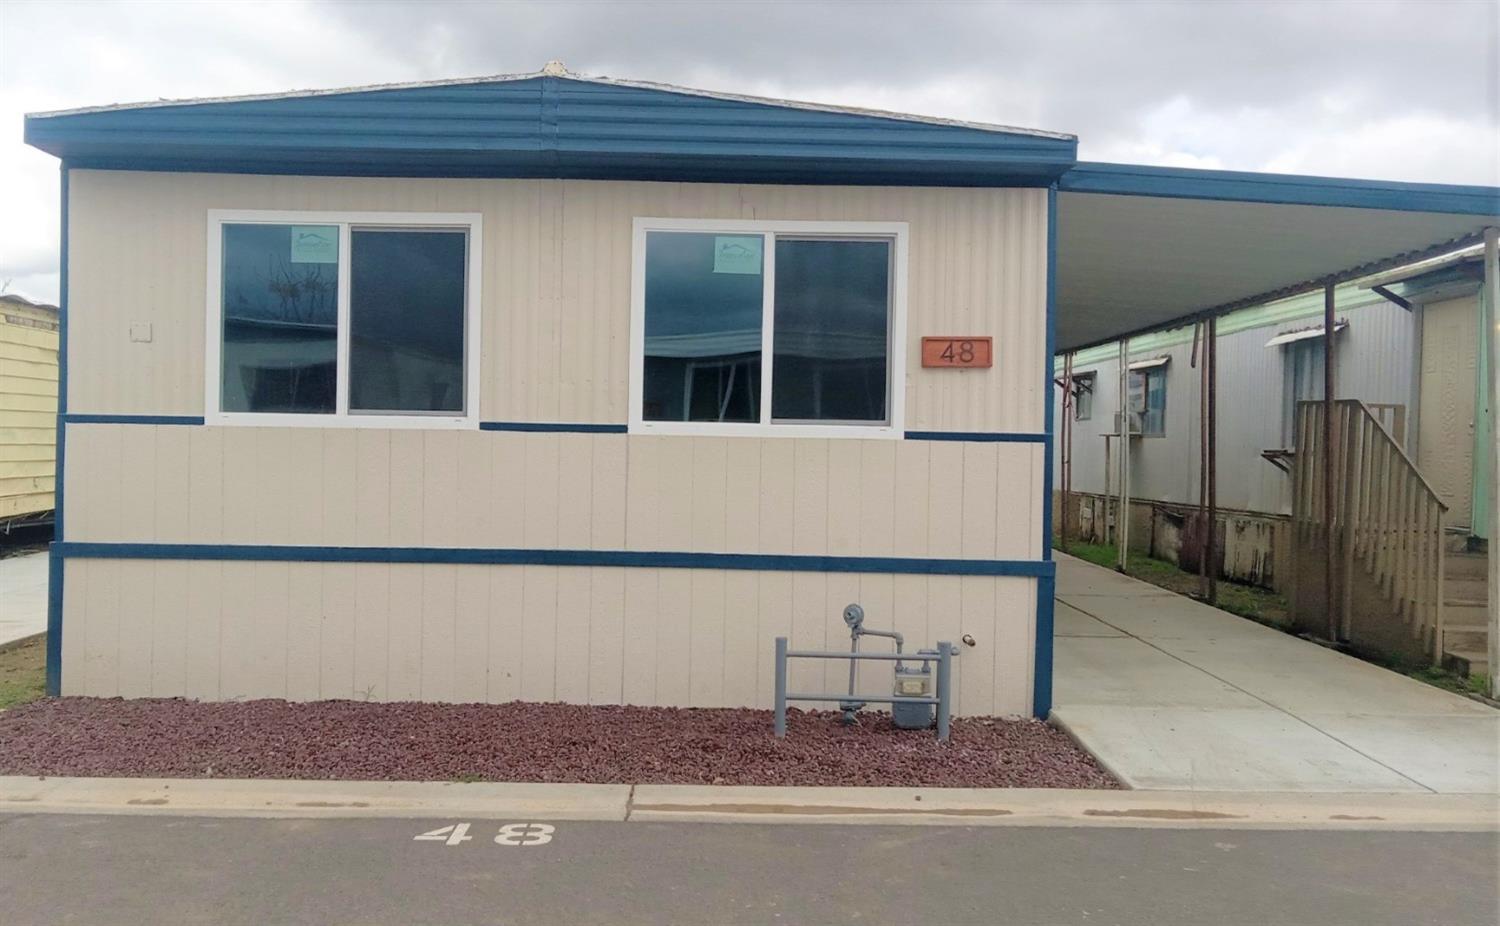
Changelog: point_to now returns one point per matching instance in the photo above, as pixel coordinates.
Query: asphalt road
(165, 870)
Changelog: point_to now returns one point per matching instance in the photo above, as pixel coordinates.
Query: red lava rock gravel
(354, 740)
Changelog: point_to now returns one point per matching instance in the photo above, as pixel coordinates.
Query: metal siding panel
(77, 589)
(506, 625)
(439, 623)
(372, 631)
(743, 643)
(910, 498)
(404, 634)
(538, 639)
(336, 633)
(304, 631)
(571, 635)
(844, 501)
(606, 636)
(706, 639)
(471, 633)
(638, 647)
(673, 630)
(976, 683)
(137, 607)
(169, 618)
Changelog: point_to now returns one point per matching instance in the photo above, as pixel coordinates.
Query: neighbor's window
(1083, 396)
(345, 319)
(1148, 398)
(715, 303)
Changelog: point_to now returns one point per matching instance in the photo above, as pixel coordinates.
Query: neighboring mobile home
(28, 410)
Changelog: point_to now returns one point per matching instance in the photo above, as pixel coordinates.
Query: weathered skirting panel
(362, 487)
(465, 633)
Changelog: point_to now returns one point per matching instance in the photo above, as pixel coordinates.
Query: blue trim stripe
(552, 426)
(133, 419)
(979, 436)
(53, 680)
(762, 562)
(1279, 189)
(1041, 676)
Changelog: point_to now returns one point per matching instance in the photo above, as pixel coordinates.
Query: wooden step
(1458, 615)
(1465, 566)
(1465, 636)
(1466, 590)
(1467, 662)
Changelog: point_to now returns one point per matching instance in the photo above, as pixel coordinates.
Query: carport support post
(1211, 545)
(1490, 306)
(1122, 518)
(1328, 359)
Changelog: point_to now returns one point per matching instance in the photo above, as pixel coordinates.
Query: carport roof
(1144, 248)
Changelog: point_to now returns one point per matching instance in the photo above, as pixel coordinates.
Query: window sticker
(315, 244)
(737, 254)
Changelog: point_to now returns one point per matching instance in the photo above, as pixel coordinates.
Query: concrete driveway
(1173, 694)
(23, 596)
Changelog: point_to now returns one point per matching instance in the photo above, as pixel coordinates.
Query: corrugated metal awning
(1302, 334)
(1151, 364)
(1145, 248)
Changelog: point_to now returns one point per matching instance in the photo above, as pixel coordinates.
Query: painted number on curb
(511, 834)
(525, 834)
(447, 835)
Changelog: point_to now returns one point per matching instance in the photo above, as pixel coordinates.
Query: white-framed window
(1083, 396)
(761, 328)
(343, 319)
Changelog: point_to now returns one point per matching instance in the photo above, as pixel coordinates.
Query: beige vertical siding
(556, 283)
(555, 349)
(307, 631)
(488, 489)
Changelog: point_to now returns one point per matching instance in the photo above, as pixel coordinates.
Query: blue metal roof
(550, 126)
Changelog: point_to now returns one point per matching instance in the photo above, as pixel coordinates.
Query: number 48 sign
(958, 352)
(511, 834)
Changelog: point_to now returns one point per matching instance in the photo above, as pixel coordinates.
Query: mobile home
(28, 409)
(554, 387)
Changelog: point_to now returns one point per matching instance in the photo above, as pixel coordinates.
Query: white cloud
(1395, 90)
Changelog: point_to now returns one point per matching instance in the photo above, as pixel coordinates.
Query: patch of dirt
(354, 740)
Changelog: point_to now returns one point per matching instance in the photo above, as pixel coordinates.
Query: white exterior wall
(1375, 363)
(554, 349)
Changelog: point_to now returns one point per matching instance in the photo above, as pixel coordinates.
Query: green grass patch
(23, 673)
(1442, 678)
(1252, 601)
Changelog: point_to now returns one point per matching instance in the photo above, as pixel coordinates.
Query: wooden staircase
(1466, 614)
(1380, 528)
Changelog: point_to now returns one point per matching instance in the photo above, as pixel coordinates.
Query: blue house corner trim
(55, 566)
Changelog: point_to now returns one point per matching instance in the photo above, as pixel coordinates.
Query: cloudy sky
(1384, 89)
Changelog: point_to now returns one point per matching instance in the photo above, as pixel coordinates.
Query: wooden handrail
(1386, 516)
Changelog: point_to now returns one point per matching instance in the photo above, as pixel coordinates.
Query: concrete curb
(278, 798)
(720, 804)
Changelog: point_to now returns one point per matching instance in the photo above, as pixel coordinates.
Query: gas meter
(913, 680)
